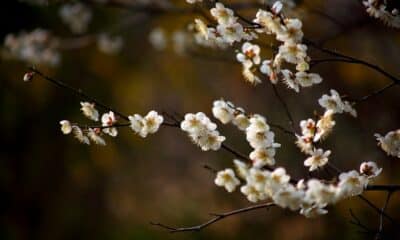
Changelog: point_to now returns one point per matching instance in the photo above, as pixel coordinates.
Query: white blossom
(28, 76)
(370, 169)
(324, 126)
(227, 179)
(252, 194)
(146, 125)
(289, 80)
(308, 127)
(378, 9)
(270, 22)
(293, 53)
(321, 193)
(222, 14)
(250, 54)
(390, 143)
(93, 135)
(278, 179)
(262, 157)
(304, 143)
(307, 79)
(289, 197)
(223, 111)
(89, 110)
(351, 183)
(66, 127)
(313, 211)
(291, 32)
(241, 121)
(108, 120)
(335, 103)
(78, 134)
(202, 131)
(242, 168)
(249, 76)
(317, 159)
(257, 178)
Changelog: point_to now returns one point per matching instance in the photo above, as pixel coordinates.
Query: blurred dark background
(52, 187)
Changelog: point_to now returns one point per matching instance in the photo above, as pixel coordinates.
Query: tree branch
(379, 235)
(218, 217)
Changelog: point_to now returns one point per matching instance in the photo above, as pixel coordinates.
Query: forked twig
(218, 217)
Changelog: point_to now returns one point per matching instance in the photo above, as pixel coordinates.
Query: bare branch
(77, 92)
(285, 107)
(379, 235)
(218, 217)
(349, 59)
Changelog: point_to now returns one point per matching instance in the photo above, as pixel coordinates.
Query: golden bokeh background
(55, 188)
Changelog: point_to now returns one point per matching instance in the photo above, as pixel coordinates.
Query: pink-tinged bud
(28, 76)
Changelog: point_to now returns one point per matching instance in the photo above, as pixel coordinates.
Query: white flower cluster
(310, 197)
(313, 132)
(288, 31)
(202, 131)
(378, 9)
(390, 143)
(77, 16)
(226, 112)
(258, 132)
(146, 125)
(227, 32)
(109, 44)
(249, 57)
(37, 47)
(335, 103)
(262, 140)
(140, 125)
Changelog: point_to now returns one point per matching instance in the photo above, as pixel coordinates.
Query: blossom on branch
(390, 143)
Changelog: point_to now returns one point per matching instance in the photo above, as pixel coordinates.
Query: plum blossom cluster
(77, 17)
(140, 125)
(146, 125)
(288, 32)
(390, 143)
(227, 32)
(202, 131)
(335, 103)
(36, 47)
(313, 132)
(309, 197)
(258, 132)
(379, 9)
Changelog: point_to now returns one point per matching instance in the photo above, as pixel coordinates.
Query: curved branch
(218, 217)
(346, 58)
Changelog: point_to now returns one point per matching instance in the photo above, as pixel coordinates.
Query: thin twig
(383, 213)
(356, 221)
(285, 107)
(391, 188)
(376, 93)
(350, 59)
(380, 231)
(77, 92)
(218, 217)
